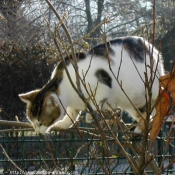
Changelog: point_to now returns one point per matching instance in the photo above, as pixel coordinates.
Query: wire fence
(69, 152)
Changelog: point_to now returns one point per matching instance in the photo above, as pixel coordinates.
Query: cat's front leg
(69, 119)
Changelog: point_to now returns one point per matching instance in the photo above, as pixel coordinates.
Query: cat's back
(115, 65)
(128, 61)
(124, 55)
(128, 58)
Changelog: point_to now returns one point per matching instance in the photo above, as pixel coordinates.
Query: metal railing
(70, 153)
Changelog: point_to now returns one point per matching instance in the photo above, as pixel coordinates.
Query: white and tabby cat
(46, 107)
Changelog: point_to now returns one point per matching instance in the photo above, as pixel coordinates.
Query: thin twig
(11, 161)
(70, 41)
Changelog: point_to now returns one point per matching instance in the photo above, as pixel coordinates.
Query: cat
(57, 103)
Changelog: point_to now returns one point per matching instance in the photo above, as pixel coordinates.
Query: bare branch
(11, 161)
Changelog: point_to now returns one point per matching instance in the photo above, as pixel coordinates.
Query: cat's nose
(43, 129)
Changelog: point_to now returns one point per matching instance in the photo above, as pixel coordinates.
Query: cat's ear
(51, 100)
(28, 97)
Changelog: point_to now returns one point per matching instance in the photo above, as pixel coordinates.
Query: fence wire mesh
(70, 153)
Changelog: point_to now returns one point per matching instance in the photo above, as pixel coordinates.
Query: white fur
(131, 79)
(39, 128)
(128, 77)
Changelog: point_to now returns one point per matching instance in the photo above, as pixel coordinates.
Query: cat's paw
(42, 129)
(63, 124)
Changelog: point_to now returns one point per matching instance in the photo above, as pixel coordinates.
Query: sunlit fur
(49, 112)
(61, 107)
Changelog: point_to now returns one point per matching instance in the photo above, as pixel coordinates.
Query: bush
(22, 69)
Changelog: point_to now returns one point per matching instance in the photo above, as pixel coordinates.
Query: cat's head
(42, 110)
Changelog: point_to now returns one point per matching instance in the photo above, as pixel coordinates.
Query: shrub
(22, 69)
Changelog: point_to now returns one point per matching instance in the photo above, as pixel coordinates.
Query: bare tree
(21, 26)
(84, 15)
(143, 153)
